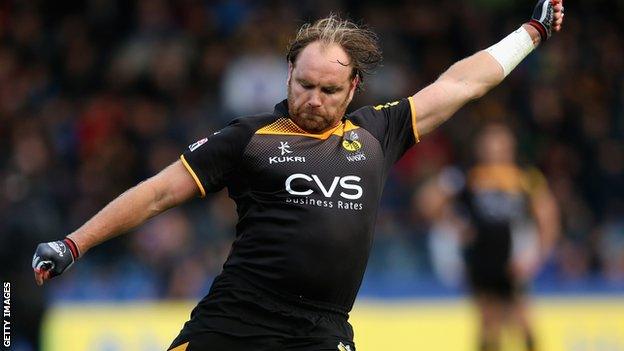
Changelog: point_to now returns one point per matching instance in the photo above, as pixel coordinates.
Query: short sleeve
(393, 124)
(211, 160)
(534, 181)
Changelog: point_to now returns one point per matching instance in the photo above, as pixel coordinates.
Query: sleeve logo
(197, 144)
(390, 104)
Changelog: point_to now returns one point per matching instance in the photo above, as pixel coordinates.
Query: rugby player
(506, 220)
(502, 252)
(306, 180)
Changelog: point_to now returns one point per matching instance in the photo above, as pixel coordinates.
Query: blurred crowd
(97, 95)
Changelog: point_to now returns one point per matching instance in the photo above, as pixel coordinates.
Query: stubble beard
(312, 122)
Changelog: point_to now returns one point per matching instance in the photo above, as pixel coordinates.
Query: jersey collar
(281, 109)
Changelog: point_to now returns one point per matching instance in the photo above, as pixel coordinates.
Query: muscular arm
(169, 188)
(463, 82)
(172, 186)
(474, 76)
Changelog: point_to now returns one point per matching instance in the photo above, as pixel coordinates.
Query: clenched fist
(53, 258)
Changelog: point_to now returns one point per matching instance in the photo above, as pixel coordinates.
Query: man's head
(496, 144)
(327, 61)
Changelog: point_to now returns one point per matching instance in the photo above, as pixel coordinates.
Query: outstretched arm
(474, 76)
(172, 186)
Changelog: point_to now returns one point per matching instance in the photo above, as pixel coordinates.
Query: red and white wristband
(75, 251)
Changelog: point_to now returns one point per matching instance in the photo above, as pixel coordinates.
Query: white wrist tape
(510, 51)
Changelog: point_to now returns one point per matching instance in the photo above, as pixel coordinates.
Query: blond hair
(360, 43)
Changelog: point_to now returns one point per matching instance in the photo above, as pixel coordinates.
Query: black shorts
(238, 316)
(488, 266)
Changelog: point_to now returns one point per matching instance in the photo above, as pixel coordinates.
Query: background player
(323, 76)
(508, 223)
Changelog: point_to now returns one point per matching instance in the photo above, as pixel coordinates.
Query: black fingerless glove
(55, 256)
(543, 17)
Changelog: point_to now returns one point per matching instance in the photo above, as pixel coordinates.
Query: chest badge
(351, 142)
(284, 156)
(284, 148)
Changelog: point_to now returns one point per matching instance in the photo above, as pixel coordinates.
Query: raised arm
(172, 186)
(474, 76)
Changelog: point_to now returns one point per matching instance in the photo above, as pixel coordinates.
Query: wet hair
(359, 42)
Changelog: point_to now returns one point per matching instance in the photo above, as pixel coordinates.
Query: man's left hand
(547, 17)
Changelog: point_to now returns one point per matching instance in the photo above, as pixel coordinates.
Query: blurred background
(97, 95)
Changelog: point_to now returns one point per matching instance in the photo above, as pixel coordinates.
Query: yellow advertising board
(563, 324)
(137, 326)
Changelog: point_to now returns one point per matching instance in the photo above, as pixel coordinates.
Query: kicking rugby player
(307, 180)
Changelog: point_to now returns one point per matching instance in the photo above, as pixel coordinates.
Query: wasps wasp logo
(351, 142)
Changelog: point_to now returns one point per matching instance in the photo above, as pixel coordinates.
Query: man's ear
(290, 69)
(355, 82)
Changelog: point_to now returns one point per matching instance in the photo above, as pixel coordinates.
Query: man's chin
(311, 123)
(313, 127)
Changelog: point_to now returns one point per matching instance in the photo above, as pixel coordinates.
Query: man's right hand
(53, 258)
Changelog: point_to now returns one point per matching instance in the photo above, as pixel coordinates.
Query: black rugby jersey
(306, 203)
(498, 196)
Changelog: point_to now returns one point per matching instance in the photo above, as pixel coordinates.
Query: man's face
(320, 87)
(496, 145)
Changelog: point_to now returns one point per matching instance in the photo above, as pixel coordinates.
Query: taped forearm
(510, 51)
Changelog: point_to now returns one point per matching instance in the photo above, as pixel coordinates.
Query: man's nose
(315, 99)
